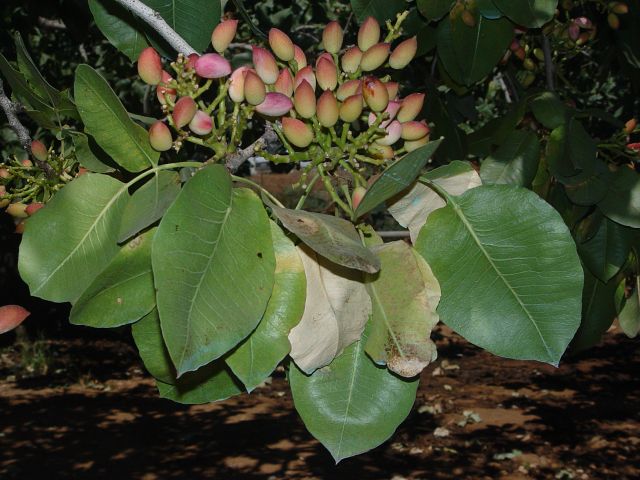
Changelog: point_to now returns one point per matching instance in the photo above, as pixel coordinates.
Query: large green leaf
(213, 265)
(622, 201)
(515, 162)
(454, 144)
(352, 405)
(123, 293)
(470, 53)
(549, 110)
(405, 295)
(606, 251)
(73, 238)
(336, 310)
(412, 208)
(528, 13)
(572, 153)
(210, 383)
(332, 237)
(382, 10)
(434, 9)
(149, 202)
(87, 152)
(598, 311)
(122, 29)
(629, 316)
(147, 335)
(509, 271)
(256, 358)
(396, 178)
(194, 20)
(108, 122)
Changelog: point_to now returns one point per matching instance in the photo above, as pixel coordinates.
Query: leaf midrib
(458, 211)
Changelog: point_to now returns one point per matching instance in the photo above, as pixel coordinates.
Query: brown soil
(96, 415)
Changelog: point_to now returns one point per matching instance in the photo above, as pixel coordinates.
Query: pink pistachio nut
(236, 84)
(411, 107)
(163, 92)
(254, 88)
(384, 152)
(150, 66)
(299, 57)
(357, 196)
(265, 65)
(327, 74)
(183, 111)
(351, 108)
(281, 45)
(39, 150)
(392, 88)
(348, 88)
(11, 316)
(32, 208)
(305, 74)
(332, 37)
(391, 111)
(414, 130)
(223, 35)
(369, 34)
(284, 83)
(403, 53)
(394, 133)
(191, 61)
(328, 110)
(212, 65)
(297, 132)
(304, 100)
(17, 210)
(160, 137)
(375, 57)
(351, 60)
(411, 145)
(201, 123)
(275, 105)
(375, 94)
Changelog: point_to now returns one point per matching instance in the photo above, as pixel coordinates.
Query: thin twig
(155, 20)
(549, 68)
(10, 110)
(234, 160)
(54, 23)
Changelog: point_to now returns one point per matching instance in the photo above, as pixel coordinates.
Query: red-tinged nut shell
(357, 196)
(33, 208)
(634, 146)
(297, 132)
(381, 151)
(160, 137)
(284, 83)
(4, 173)
(414, 130)
(11, 316)
(403, 53)
(332, 37)
(412, 145)
(150, 66)
(190, 64)
(573, 31)
(265, 65)
(375, 57)
(183, 111)
(212, 65)
(26, 163)
(351, 60)
(254, 88)
(630, 126)
(163, 92)
(82, 171)
(327, 74)
(223, 35)
(201, 123)
(392, 88)
(375, 94)
(236, 84)
(281, 45)
(299, 57)
(305, 74)
(369, 34)
(304, 100)
(411, 107)
(391, 111)
(394, 133)
(275, 105)
(583, 22)
(328, 110)
(351, 108)
(348, 88)
(17, 210)
(19, 228)
(39, 150)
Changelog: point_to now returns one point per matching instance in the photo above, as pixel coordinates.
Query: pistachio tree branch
(10, 110)
(549, 67)
(155, 21)
(268, 138)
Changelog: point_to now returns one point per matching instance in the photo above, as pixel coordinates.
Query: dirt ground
(96, 415)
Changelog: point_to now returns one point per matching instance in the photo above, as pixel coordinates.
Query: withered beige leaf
(336, 311)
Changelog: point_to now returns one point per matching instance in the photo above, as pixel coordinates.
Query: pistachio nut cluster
(341, 112)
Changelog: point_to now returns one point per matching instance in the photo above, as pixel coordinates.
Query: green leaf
(622, 201)
(528, 13)
(210, 383)
(598, 312)
(147, 335)
(123, 293)
(434, 9)
(382, 10)
(194, 20)
(149, 203)
(73, 238)
(571, 153)
(549, 110)
(455, 139)
(213, 265)
(108, 122)
(352, 405)
(510, 275)
(336, 310)
(122, 29)
(488, 9)
(629, 316)
(606, 251)
(590, 188)
(87, 152)
(470, 53)
(257, 357)
(332, 237)
(515, 162)
(413, 207)
(405, 295)
(396, 178)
